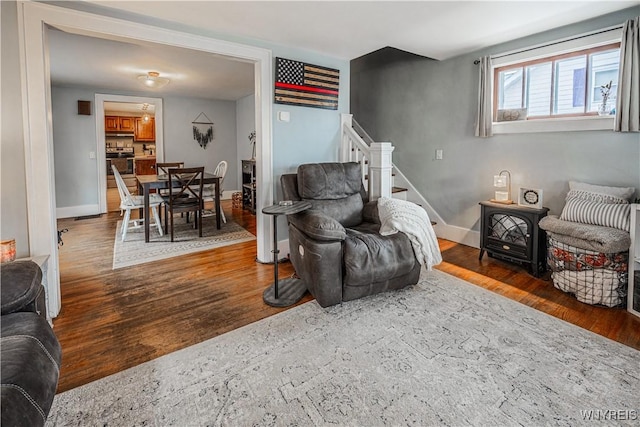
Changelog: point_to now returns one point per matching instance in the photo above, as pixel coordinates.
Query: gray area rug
(135, 251)
(443, 352)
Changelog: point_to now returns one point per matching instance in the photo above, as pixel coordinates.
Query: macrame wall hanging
(202, 130)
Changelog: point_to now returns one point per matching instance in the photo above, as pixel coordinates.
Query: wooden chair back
(163, 168)
(185, 188)
(185, 194)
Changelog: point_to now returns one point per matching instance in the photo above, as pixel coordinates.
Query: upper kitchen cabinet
(145, 131)
(119, 124)
(127, 124)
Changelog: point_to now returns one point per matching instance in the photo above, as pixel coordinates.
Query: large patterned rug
(443, 352)
(135, 251)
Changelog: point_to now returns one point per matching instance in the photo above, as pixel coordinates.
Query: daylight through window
(559, 86)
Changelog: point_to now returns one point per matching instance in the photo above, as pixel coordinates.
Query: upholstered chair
(335, 246)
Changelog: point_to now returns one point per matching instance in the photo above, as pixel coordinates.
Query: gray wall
(245, 124)
(179, 144)
(74, 136)
(421, 105)
(13, 199)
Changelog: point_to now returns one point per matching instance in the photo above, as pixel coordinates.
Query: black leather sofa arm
(318, 226)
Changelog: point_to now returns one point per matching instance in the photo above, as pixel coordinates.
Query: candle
(7, 250)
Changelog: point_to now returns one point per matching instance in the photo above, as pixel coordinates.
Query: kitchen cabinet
(127, 123)
(145, 131)
(145, 166)
(111, 123)
(119, 124)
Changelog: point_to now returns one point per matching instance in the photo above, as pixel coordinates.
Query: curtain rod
(581, 36)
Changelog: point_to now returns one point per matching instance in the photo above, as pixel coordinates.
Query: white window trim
(557, 124)
(562, 124)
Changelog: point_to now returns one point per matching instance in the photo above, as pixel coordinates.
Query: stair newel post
(380, 170)
(346, 120)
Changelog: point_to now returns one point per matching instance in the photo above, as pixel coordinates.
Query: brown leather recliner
(335, 246)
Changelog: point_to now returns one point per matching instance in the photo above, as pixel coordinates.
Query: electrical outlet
(439, 154)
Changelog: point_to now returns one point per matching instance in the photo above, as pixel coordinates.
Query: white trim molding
(560, 124)
(100, 99)
(33, 21)
(74, 211)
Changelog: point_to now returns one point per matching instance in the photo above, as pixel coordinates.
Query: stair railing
(375, 158)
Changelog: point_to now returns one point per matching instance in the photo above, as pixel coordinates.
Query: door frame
(100, 99)
(33, 20)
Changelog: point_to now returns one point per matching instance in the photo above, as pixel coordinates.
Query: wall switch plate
(284, 116)
(92, 154)
(438, 154)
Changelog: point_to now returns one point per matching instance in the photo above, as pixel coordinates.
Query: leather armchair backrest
(289, 182)
(332, 188)
(329, 181)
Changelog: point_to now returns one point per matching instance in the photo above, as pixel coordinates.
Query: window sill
(568, 124)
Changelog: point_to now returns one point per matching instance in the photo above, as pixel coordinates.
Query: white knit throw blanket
(410, 219)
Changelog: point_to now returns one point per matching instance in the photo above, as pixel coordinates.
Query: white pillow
(622, 192)
(604, 214)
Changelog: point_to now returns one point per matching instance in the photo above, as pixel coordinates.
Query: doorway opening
(129, 133)
(35, 19)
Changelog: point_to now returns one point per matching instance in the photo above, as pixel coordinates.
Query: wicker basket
(236, 200)
(592, 277)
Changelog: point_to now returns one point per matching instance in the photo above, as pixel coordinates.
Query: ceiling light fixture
(153, 80)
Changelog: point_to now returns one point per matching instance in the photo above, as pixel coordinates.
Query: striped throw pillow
(605, 214)
(595, 197)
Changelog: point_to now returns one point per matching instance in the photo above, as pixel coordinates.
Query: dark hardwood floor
(115, 319)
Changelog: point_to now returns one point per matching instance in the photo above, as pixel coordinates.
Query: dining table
(146, 183)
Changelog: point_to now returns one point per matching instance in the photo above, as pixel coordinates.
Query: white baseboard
(283, 247)
(458, 234)
(227, 194)
(73, 211)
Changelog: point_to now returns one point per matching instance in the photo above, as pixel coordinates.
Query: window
(563, 85)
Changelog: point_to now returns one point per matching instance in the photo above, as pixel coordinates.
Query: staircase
(383, 179)
(374, 157)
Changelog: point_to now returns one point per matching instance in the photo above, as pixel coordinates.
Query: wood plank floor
(112, 320)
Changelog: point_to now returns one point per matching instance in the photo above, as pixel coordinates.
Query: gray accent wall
(421, 105)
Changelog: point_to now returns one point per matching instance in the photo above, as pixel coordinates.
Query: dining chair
(209, 192)
(129, 202)
(163, 169)
(185, 195)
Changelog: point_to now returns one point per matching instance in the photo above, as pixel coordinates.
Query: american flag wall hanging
(308, 85)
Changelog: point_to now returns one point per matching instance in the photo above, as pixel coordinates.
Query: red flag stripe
(306, 88)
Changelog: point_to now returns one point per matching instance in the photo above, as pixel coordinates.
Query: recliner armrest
(318, 226)
(370, 212)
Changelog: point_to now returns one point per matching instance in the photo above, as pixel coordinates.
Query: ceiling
(109, 64)
(343, 29)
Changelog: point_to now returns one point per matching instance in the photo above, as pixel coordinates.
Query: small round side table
(289, 291)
